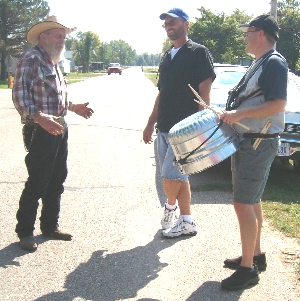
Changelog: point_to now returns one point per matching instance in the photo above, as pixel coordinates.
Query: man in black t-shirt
(184, 63)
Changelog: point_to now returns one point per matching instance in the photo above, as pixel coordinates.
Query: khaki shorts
(250, 169)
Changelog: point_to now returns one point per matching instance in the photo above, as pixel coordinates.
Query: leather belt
(259, 135)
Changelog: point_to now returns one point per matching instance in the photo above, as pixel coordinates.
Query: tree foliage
(16, 17)
(288, 16)
(87, 48)
(84, 47)
(221, 34)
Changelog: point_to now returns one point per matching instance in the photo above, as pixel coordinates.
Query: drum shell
(188, 134)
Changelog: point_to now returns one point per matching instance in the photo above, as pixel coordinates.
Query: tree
(84, 47)
(288, 17)
(166, 45)
(16, 17)
(221, 34)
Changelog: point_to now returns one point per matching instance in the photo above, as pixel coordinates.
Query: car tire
(108, 73)
(296, 164)
(120, 73)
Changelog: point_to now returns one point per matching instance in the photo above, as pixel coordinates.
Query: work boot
(58, 234)
(28, 243)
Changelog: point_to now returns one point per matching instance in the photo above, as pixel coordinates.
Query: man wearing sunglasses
(184, 63)
(260, 105)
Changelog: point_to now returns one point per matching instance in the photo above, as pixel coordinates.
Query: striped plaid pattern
(39, 86)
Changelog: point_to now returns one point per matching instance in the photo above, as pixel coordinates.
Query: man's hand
(48, 123)
(82, 110)
(147, 134)
(230, 117)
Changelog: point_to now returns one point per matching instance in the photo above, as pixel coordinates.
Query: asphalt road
(112, 204)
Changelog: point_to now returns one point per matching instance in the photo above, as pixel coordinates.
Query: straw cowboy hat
(49, 23)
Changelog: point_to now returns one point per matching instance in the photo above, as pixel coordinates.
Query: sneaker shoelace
(169, 214)
(178, 224)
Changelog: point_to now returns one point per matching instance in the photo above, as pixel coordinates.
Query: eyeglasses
(246, 34)
(171, 23)
(57, 35)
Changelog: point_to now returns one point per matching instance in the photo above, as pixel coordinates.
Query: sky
(136, 21)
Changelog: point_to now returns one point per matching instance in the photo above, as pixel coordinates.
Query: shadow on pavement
(118, 276)
(9, 254)
(211, 291)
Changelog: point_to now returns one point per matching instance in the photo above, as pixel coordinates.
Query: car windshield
(228, 78)
(293, 93)
(114, 65)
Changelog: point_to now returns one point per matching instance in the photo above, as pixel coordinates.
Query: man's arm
(204, 91)
(149, 129)
(268, 108)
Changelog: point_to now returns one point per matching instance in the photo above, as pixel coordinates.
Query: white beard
(55, 55)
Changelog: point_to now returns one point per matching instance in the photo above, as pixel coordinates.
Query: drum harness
(232, 104)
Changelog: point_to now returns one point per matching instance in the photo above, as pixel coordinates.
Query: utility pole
(273, 11)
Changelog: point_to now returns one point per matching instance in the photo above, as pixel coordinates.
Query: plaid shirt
(39, 86)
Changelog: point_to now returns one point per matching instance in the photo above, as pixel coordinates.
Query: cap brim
(163, 16)
(244, 27)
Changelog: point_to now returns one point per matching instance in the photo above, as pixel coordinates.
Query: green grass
(281, 201)
(72, 78)
(151, 73)
(3, 84)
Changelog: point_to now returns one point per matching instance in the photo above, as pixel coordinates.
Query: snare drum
(201, 141)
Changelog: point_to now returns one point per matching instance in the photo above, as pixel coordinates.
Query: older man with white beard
(40, 97)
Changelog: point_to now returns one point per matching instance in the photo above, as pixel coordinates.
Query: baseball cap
(175, 13)
(264, 22)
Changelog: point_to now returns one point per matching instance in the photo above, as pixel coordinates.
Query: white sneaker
(180, 228)
(169, 218)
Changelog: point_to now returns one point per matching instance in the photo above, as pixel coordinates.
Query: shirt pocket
(51, 88)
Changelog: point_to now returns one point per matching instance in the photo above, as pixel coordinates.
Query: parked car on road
(114, 68)
(229, 75)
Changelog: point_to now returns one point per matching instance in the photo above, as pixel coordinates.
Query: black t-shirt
(192, 64)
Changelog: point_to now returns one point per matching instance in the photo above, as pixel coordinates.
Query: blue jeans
(46, 164)
(166, 158)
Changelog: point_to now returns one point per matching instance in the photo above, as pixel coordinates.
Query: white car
(229, 75)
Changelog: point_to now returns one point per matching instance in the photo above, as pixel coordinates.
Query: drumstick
(203, 104)
(263, 131)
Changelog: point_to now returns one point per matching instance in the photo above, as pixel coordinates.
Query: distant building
(65, 66)
(69, 56)
(11, 64)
